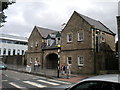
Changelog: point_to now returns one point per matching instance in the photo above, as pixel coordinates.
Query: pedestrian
(36, 65)
(68, 71)
(62, 69)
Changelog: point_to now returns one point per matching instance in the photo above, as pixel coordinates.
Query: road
(24, 81)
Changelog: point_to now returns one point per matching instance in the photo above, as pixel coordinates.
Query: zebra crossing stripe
(59, 81)
(15, 85)
(48, 82)
(34, 84)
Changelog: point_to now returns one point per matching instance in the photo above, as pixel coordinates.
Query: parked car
(100, 82)
(3, 66)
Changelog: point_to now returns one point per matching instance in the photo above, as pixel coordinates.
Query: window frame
(80, 36)
(18, 52)
(4, 51)
(103, 38)
(9, 51)
(68, 37)
(36, 44)
(80, 60)
(69, 60)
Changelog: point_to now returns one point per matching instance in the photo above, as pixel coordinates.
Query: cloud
(25, 14)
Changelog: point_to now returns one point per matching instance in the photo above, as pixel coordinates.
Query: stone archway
(51, 61)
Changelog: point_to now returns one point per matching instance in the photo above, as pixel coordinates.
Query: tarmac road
(22, 81)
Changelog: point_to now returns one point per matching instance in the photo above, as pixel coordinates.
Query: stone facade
(34, 46)
(80, 41)
(84, 48)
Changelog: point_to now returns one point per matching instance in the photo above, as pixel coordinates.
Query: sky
(25, 14)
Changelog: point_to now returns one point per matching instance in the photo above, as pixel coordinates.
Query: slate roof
(96, 24)
(44, 31)
(13, 37)
(53, 46)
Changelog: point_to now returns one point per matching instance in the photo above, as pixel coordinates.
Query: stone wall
(14, 60)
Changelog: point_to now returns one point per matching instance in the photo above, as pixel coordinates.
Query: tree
(4, 5)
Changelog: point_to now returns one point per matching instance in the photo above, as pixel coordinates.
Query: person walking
(68, 71)
(63, 69)
(36, 65)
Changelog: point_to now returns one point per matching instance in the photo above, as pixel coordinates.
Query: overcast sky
(25, 14)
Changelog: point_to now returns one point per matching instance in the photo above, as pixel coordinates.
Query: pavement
(49, 73)
(74, 78)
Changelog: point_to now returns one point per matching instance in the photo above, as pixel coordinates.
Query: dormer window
(58, 40)
(103, 37)
(69, 37)
(48, 42)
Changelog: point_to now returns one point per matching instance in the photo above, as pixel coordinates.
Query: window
(4, 51)
(18, 52)
(31, 45)
(69, 37)
(0, 51)
(110, 86)
(13, 51)
(80, 61)
(31, 60)
(92, 85)
(9, 51)
(36, 44)
(103, 37)
(69, 60)
(58, 41)
(80, 36)
(48, 42)
(22, 52)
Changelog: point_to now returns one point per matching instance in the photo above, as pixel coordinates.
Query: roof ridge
(45, 28)
(99, 25)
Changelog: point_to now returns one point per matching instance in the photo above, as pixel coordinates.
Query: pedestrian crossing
(34, 84)
(15, 85)
(37, 83)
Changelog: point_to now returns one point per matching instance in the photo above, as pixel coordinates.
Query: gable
(32, 35)
(91, 22)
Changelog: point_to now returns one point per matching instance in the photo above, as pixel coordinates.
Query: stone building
(42, 46)
(80, 40)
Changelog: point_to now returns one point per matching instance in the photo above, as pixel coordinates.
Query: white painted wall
(8, 46)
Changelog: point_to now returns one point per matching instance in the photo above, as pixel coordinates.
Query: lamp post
(58, 68)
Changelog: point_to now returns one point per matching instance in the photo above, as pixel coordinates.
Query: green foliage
(4, 5)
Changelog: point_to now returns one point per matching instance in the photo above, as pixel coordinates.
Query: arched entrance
(52, 61)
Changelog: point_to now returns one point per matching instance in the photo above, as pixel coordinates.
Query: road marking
(43, 77)
(58, 81)
(48, 82)
(6, 75)
(15, 85)
(4, 80)
(34, 84)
